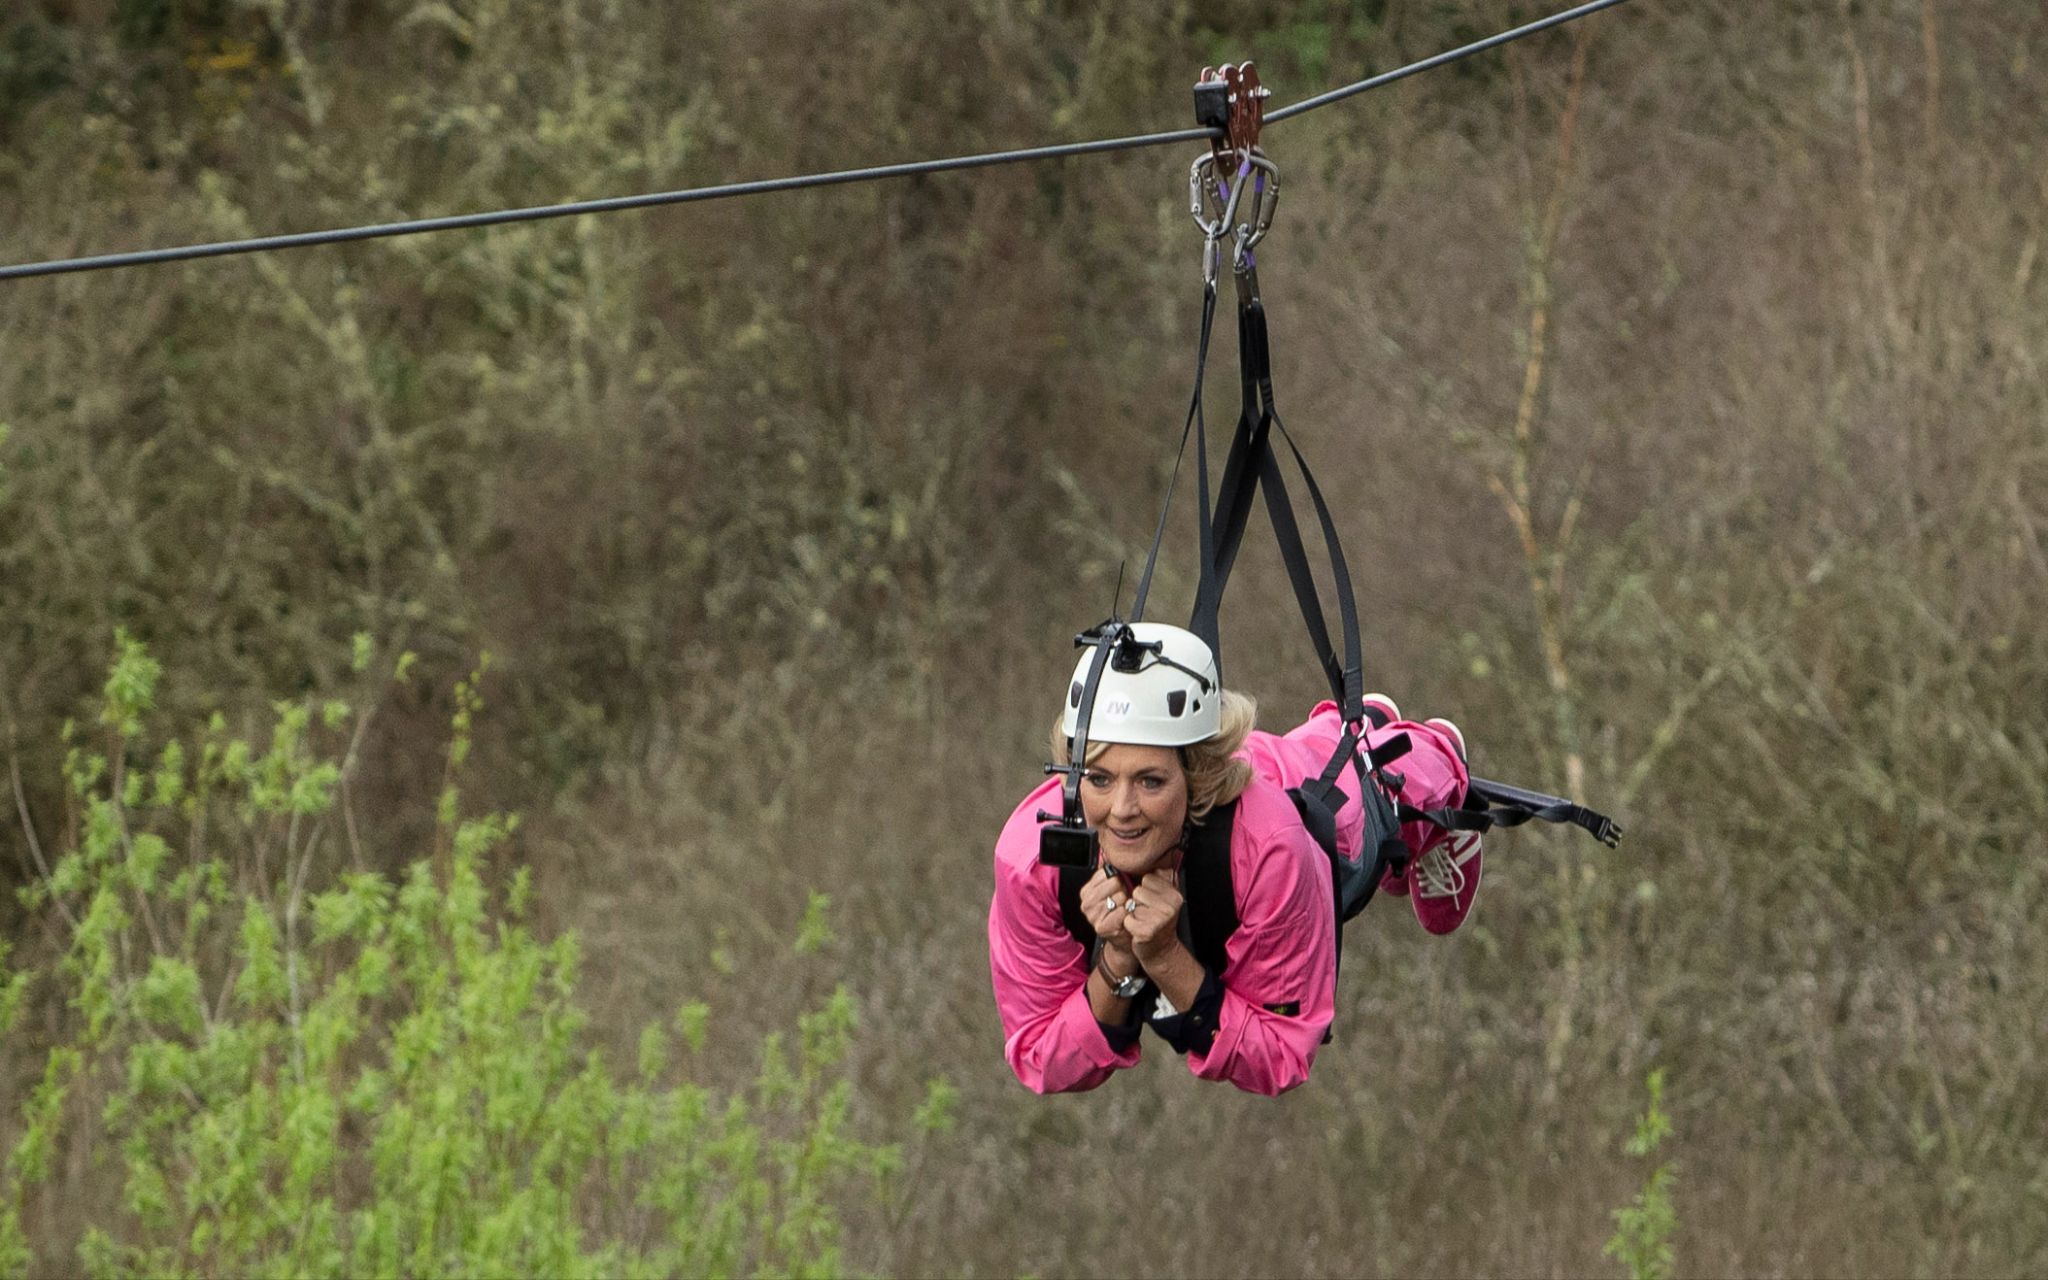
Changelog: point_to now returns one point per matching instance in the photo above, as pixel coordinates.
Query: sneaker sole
(1457, 735)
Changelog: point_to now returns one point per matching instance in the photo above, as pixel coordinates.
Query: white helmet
(1160, 688)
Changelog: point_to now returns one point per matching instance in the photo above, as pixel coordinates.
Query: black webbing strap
(1295, 557)
(1380, 846)
(1345, 673)
(1318, 800)
(1205, 531)
(1250, 468)
(1351, 698)
(1496, 804)
(1240, 467)
(1071, 915)
(1241, 471)
(1208, 889)
(1195, 424)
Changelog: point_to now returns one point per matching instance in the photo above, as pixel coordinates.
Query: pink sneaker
(1444, 879)
(1457, 735)
(1380, 710)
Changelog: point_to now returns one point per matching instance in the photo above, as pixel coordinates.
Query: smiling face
(1137, 797)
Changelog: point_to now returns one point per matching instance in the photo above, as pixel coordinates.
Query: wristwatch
(1121, 988)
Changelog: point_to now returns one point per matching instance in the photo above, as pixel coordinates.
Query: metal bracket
(1239, 109)
(1231, 99)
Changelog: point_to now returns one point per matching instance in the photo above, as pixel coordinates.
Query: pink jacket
(1280, 985)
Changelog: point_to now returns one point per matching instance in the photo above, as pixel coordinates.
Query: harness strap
(1194, 423)
(1251, 466)
(1208, 888)
(1500, 805)
(1294, 556)
(1487, 804)
(1234, 495)
(1349, 688)
(1381, 848)
(1345, 675)
(1071, 915)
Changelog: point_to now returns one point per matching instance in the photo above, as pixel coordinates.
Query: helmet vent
(1177, 702)
(1074, 696)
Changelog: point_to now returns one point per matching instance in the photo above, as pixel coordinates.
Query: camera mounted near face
(1067, 840)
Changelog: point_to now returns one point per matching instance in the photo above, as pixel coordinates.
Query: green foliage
(937, 1113)
(1643, 1229)
(131, 685)
(13, 991)
(369, 1077)
(815, 930)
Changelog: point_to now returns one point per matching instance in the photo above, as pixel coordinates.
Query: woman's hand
(1103, 903)
(1154, 926)
(1155, 937)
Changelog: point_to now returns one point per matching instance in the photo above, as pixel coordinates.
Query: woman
(1176, 751)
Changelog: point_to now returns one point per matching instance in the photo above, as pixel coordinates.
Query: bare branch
(35, 847)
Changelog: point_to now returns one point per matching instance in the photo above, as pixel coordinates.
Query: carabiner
(1264, 178)
(1206, 190)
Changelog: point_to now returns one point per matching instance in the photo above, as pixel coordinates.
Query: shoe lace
(1440, 873)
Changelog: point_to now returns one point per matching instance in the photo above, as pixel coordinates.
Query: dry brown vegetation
(1681, 379)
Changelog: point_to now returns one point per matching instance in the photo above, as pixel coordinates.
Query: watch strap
(1121, 988)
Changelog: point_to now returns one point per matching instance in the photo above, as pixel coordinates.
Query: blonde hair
(1215, 774)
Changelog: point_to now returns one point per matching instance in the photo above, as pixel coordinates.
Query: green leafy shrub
(305, 1073)
(1642, 1229)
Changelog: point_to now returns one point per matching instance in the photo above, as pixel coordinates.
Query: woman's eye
(1151, 784)
(1100, 781)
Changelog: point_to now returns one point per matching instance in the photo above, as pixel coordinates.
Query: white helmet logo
(1116, 709)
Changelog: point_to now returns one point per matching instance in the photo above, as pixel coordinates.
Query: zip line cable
(453, 222)
(1441, 59)
(500, 217)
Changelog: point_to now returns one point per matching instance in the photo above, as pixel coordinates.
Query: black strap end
(1389, 751)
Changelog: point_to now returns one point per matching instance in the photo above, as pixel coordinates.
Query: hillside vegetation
(1681, 380)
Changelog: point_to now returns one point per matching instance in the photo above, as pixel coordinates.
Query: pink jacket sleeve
(1279, 989)
(1050, 1036)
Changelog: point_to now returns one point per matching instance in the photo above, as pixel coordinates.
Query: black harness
(1252, 469)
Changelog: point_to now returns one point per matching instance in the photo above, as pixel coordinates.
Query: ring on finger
(1130, 905)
